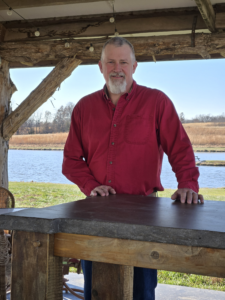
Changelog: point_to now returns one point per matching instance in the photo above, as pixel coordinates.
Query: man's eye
(124, 62)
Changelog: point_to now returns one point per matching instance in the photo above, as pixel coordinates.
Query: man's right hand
(102, 190)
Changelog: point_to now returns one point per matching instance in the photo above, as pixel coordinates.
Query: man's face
(118, 67)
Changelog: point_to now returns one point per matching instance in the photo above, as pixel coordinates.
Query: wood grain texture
(96, 26)
(36, 273)
(7, 88)
(2, 283)
(206, 9)
(31, 53)
(110, 282)
(177, 258)
(40, 95)
(17, 4)
(2, 32)
(220, 20)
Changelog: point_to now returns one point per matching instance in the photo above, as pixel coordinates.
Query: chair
(67, 263)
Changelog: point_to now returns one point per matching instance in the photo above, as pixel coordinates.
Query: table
(116, 232)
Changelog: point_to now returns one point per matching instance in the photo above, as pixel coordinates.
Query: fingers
(187, 196)
(102, 190)
(200, 197)
(174, 196)
(183, 196)
(195, 198)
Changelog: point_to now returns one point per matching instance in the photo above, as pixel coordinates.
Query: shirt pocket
(137, 130)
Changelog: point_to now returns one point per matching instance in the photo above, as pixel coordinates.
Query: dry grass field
(206, 134)
(54, 141)
(202, 135)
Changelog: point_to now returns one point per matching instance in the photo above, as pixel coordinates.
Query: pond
(46, 166)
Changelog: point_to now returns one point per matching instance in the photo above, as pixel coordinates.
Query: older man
(116, 143)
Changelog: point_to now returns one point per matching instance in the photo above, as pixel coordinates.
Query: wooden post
(112, 282)
(2, 283)
(7, 88)
(36, 272)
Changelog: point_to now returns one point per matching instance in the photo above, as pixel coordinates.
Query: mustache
(117, 74)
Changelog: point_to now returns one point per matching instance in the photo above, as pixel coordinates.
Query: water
(46, 166)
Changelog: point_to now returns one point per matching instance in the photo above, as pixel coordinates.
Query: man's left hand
(187, 195)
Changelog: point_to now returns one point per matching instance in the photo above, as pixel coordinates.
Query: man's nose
(117, 67)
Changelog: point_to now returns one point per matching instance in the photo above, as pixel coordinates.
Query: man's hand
(103, 190)
(187, 195)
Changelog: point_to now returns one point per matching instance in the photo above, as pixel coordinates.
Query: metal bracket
(193, 31)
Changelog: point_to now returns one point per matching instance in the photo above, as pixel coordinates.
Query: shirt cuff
(89, 186)
(189, 185)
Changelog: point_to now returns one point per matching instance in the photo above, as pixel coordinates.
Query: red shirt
(122, 146)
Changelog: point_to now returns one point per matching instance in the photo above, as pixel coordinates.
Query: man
(116, 143)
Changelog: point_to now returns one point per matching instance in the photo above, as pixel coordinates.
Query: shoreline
(60, 147)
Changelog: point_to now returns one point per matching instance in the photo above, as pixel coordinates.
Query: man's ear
(100, 66)
(135, 66)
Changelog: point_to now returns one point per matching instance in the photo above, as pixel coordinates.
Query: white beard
(117, 87)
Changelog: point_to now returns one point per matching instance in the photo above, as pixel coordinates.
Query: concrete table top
(128, 217)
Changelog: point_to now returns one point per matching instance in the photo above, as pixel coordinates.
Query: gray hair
(119, 42)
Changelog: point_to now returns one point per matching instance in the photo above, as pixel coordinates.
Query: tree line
(47, 122)
(203, 118)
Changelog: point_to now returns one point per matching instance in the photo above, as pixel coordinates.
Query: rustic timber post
(40, 271)
(7, 88)
(110, 282)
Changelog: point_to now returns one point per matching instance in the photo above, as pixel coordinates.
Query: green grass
(217, 194)
(32, 194)
(191, 280)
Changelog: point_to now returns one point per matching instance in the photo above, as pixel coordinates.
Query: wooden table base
(112, 282)
(2, 283)
(36, 273)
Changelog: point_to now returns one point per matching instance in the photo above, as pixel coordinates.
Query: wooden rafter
(95, 27)
(162, 47)
(40, 95)
(39, 3)
(206, 9)
(99, 25)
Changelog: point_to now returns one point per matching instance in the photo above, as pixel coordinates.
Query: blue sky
(195, 87)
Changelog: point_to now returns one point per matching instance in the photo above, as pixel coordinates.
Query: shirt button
(113, 143)
(128, 99)
(113, 108)
(110, 162)
(109, 181)
(114, 125)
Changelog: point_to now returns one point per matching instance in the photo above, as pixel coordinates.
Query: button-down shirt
(122, 146)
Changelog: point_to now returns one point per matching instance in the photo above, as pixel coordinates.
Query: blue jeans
(145, 282)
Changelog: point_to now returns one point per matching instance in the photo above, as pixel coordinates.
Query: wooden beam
(206, 9)
(40, 95)
(110, 282)
(17, 4)
(2, 32)
(220, 20)
(176, 258)
(40, 273)
(172, 46)
(7, 88)
(147, 58)
(95, 26)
